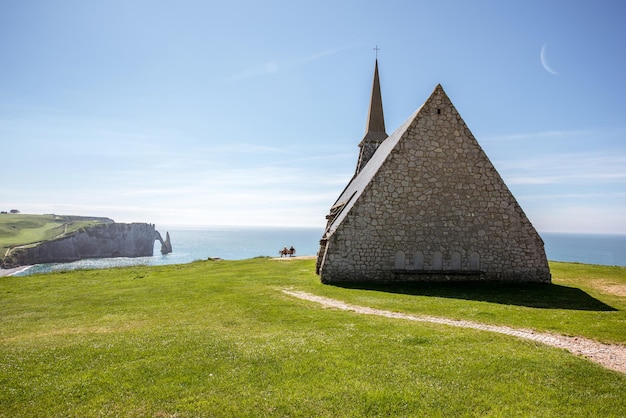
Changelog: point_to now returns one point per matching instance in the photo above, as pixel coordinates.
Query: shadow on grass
(532, 295)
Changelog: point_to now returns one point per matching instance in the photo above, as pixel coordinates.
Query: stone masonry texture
(434, 208)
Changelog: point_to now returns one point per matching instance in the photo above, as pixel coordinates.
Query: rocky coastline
(99, 241)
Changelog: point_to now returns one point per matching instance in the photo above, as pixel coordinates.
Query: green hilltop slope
(220, 338)
(22, 229)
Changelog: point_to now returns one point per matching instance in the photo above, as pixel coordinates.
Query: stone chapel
(427, 204)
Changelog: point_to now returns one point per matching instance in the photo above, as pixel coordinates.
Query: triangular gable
(427, 205)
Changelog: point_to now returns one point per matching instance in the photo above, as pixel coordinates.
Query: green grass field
(22, 229)
(221, 339)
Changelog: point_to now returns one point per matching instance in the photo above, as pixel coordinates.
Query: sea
(238, 243)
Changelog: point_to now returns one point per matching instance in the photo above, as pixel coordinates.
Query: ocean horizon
(239, 242)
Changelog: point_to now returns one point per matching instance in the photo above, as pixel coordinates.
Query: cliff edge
(98, 241)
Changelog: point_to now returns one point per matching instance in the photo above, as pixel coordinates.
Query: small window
(400, 261)
(437, 263)
(439, 111)
(455, 262)
(475, 261)
(418, 261)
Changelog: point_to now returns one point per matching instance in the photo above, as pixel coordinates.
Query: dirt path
(611, 356)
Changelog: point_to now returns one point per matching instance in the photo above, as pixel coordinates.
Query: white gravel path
(610, 356)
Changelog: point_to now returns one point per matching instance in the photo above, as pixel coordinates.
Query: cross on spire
(376, 49)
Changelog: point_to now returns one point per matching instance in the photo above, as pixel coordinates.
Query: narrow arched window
(474, 261)
(437, 260)
(418, 261)
(400, 263)
(455, 262)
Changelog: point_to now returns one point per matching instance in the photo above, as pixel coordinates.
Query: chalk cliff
(100, 241)
(166, 246)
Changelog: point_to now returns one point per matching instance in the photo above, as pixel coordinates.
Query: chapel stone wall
(435, 210)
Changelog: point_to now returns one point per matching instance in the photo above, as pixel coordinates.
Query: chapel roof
(354, 189)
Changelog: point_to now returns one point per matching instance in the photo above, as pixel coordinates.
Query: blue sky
(249, 112)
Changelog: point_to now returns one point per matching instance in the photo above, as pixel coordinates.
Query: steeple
(375, 129)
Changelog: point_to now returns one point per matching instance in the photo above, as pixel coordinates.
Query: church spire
(375, 129)
(375, 118)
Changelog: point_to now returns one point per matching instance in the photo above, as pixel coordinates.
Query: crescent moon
(544, 62)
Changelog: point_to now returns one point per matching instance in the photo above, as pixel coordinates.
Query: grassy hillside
(19, 229)
(221, 339)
